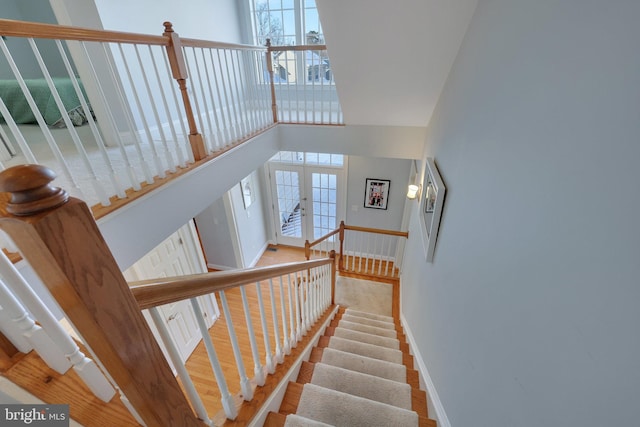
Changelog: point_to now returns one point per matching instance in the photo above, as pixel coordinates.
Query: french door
(307, 201)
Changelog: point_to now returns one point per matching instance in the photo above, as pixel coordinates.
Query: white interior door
(171, 258)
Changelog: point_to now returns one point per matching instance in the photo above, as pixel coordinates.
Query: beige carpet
(364, 295)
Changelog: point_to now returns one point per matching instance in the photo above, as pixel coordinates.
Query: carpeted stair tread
(364, 364)
(367, 321)
(294, 420)
(368, 329)
(367, 338)
(342, 409)
(364, 349)
(373, 316)
(362, 385)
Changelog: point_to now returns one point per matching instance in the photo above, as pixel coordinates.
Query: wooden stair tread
(33, 375)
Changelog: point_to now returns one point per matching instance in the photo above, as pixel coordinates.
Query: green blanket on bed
(17, 105)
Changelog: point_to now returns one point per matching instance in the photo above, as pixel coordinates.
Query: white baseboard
(219, 267)
(436, 410)
(257, 258)
(275, 399)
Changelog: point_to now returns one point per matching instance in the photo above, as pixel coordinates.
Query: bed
(17, 105)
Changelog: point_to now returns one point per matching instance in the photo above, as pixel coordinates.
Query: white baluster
(46, 132)
(132, 128)
(118, 188)
(154, 152)
(33, 333)
(285, 334)
(276, 329)
(237, 119)
(257, 369)
(174, 355)
(131, 172)
(245, 385)
(228, 405)
(307, 303)
(205, 114)
(84, 367)
(236, 76)
(226, 136)
(271, 367)
(24, 147)
(386, 266)
(292, 339)
(216, 134)
(171, 164)
(297, 297)
(13, 332)
(84, 158)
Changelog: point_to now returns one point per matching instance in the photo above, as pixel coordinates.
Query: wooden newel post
(59, 238)
(274, 106)
(307, 250)
(179, 71)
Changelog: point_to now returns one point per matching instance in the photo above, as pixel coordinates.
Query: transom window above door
(303, 158)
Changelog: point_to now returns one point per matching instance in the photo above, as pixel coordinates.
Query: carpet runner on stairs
(356, 376)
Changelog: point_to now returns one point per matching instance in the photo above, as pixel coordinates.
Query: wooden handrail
(59, 238)
(207, 44)
(377, 231)
(325, 237)
(155, 292)
(13, 28)
(298, 48)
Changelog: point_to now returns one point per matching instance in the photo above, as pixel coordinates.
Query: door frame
(271, 200)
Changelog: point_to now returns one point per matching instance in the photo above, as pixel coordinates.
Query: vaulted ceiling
(391, 59)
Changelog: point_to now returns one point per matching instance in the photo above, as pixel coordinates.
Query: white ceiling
(391, 59)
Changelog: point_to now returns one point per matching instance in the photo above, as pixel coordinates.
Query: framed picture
(431, 207)
(376, 193)
(248, 191)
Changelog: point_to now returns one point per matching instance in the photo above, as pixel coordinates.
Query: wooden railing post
(307, 250)
(59, 238)
(274, 106)
(341, 259)
(179, 71)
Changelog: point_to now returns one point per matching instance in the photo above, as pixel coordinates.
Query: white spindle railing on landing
(365, 251)
(152, 104)
(304, 294)
(305, 89)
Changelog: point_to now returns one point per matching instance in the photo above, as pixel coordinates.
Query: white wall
(138, 227)
(200, 19)
(20, 49)
(251, 222)
(361, 168)
(394, 142)
(215, 235)
(528, 315)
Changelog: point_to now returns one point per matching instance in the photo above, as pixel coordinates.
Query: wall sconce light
(412, 191)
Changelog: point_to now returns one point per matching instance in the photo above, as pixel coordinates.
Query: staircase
(360, 374)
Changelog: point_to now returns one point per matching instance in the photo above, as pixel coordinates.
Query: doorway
(308, 196)
(177, 256)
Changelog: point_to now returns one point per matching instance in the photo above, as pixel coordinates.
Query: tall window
(286, 22)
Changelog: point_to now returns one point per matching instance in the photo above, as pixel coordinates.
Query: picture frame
(376, 193)
(431, 204)
(247, 189)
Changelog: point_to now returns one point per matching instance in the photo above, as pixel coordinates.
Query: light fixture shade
(412, 192)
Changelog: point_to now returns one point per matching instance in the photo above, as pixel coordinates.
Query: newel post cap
(31, 190)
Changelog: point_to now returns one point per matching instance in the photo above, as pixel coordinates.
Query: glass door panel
(289, 204)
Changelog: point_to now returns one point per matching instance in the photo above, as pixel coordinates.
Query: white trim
(275, 399)
(220, 267)
(436, 410)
